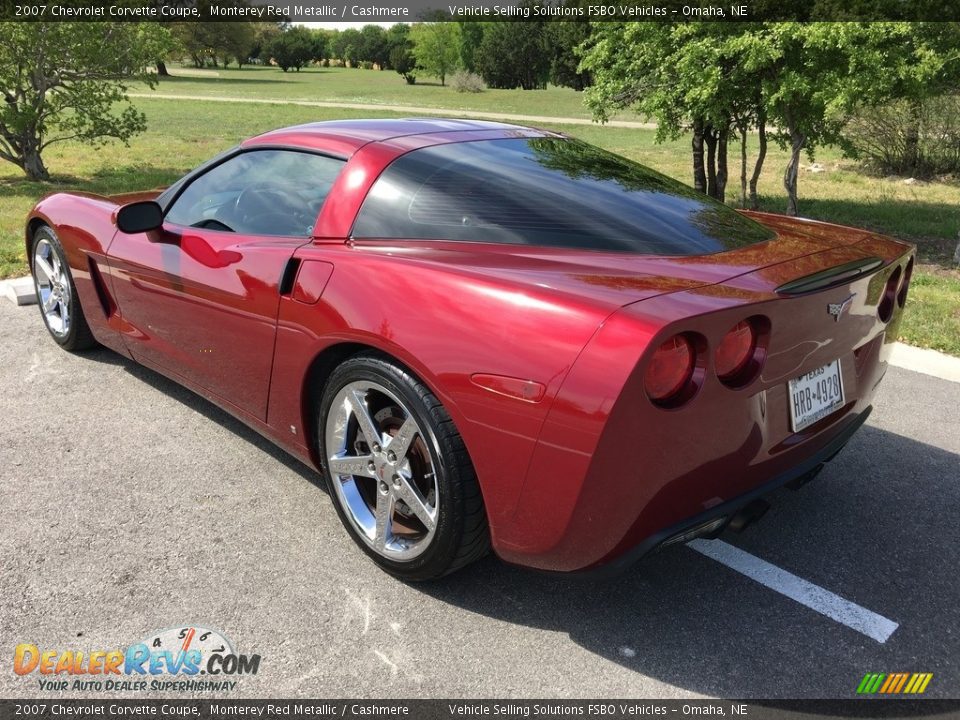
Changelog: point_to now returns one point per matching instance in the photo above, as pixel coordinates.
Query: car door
(199, 296)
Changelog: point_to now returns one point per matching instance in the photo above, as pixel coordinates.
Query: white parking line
(796, 588)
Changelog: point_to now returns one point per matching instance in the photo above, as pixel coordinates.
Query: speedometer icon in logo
(184, 639)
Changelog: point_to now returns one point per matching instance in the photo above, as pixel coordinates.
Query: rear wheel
(57, 293)
(398, 472)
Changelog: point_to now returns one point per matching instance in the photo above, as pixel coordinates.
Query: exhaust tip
(799, 482)
(748, 514)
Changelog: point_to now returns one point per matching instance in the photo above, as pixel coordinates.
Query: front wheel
(57, 294)
(398, 472)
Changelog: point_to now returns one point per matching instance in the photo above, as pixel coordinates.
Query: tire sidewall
(432, 562)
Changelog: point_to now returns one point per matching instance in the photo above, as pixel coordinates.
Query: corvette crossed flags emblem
(836, 309)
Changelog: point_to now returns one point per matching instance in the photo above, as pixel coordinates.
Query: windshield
(547, 191)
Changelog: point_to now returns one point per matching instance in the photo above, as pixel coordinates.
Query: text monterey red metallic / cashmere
(487, 335)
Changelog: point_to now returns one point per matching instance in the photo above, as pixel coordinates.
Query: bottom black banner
(461, 709)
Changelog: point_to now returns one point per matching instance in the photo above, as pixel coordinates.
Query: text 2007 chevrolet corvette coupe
(487, 335)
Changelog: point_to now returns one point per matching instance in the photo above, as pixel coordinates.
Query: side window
(261, 192)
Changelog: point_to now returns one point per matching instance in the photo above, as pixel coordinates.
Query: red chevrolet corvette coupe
(486, 335)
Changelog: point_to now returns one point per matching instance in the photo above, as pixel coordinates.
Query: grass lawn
(933, 311)
(355, 85)
(181, 135)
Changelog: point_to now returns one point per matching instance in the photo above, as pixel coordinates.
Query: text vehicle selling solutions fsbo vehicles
(485, 335)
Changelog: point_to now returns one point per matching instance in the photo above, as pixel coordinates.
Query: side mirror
(139, 217)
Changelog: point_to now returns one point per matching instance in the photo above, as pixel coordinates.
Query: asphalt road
(130, 505)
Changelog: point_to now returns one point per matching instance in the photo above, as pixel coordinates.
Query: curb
(19, 291)
(928, 362)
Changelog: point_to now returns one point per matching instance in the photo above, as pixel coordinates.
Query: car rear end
(730, 355)
(741, 387)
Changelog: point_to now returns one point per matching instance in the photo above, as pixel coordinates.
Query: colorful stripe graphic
(894, 683)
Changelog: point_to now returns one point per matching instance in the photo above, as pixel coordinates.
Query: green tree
(819, 72)
(514, 54)
(662, 71)
(921, 63)
(471, 35)
(241, 43)
(215, 42)
(401, 52)
(263, 35)
(294, 48)
(349, 43)
(803, 79)
(59, 84)
(319, 49)
(398, 34)
(402, 60)
(374, 45)
(334, 45)
(562, 40)
(436, 47)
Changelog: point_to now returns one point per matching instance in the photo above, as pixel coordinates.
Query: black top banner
(386, 11)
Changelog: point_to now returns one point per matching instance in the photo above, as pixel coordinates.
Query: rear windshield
(546, 191)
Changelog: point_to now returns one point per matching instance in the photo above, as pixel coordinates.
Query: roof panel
(344, 137)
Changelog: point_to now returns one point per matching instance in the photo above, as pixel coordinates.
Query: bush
(366, 65)
(467, 82)
(920, 139)
(401, 59)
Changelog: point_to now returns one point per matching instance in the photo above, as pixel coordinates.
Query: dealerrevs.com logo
(182, 659)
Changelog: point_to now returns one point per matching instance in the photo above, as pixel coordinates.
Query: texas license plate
(815, 395)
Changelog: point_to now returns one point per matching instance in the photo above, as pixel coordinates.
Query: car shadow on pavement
(873, 528)
(208, 410)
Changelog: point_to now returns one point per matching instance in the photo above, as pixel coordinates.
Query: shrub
(467, 82)
(401, 58)
(920, 139)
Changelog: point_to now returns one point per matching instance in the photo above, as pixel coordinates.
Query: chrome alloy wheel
(382, 469)
(53, 287)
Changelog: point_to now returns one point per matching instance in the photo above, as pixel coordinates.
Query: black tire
(460, 535)
(77, 336)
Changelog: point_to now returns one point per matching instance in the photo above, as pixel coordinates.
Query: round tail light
(885, 309)
(670, 370)
(904, 286)
(735, 351)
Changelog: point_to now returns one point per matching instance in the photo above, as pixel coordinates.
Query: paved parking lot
(131, 505)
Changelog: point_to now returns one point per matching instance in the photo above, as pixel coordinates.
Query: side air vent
(828, 278)
(106, 302)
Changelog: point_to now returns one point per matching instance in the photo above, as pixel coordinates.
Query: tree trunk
(710, 137)
(33, 164)
(699, 176)
(911, 140)
(761, 156)
(723, 137)
(797, 142)
(743, 165)
(162, 69)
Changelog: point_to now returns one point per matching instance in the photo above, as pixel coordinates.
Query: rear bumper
(614, 476)
(712, 522)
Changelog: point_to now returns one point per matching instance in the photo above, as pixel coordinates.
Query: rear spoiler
(828, 278)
